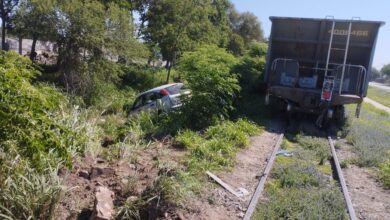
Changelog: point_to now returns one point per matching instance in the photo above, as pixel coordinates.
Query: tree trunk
(20, 45)
(3, 47)
(169, 71)
(33, 54)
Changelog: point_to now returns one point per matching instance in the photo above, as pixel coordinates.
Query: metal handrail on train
(273, 66)
(362, 70)
(284, 60)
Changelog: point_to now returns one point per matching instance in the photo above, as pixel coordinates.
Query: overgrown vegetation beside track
(47, 129)
(370, 137)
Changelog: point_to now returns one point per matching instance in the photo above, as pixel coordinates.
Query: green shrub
(384, 174)
(216, 148)
(214, 87)
(251, 66)
(26, 193)
(235, 133)
(32, 115)
(138, 128)
(142, 77)
(109, 99)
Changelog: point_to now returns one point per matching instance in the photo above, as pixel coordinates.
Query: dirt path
(377, 105)
(370, 200)
(250, 162)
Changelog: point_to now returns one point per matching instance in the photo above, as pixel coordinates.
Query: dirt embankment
(130, 179)
(217, 203)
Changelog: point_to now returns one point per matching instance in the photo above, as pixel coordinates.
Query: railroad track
(260, 187)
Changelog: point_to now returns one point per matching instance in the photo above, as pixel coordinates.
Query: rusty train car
(319, 65)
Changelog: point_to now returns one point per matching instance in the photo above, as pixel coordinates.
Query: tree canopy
(246, 25)
(386, 70)
(93, 37)
(178, 26)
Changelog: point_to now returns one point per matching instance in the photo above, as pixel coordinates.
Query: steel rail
(344, 188)
(260, 186)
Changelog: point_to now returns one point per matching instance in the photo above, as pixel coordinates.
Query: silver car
(162, 98)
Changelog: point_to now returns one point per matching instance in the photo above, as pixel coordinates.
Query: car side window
(148, 98)
(138, 102)
(151, 97)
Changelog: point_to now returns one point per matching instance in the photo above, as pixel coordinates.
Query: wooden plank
(260, 187)
(223, 184)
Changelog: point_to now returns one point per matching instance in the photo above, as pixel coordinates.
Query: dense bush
(142, 77)
(251, 66)
(108, 98)
(33, 115)
(208, 74)
(39, 133)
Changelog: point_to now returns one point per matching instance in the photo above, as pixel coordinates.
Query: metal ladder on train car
(330, 49)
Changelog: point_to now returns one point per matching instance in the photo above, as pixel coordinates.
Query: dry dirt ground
(215, 203)
(218, 203)
(126, 178)
(370, 200)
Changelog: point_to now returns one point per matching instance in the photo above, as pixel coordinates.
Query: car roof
(157, 89)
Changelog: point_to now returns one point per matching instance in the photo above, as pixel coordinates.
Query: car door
(138, 104)
(150, 101)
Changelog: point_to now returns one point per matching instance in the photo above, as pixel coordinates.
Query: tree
(246, 25)
(236, 44)
(375, 74)
(179, 26)
(90, 32)
(36, 19)
(386, 70)
(208, 73)
(6, 8)
(252, 66)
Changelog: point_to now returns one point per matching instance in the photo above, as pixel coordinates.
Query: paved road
(377, 105)
(380, 86)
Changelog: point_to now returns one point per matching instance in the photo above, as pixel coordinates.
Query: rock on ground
(104, 206)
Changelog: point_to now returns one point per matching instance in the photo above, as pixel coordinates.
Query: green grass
(380, 95)
(216, 148)
(308, 203)
(213, 149)
(300, 187)
(369, 135)
(384, 173)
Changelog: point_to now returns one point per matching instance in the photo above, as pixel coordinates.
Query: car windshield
(174, 89)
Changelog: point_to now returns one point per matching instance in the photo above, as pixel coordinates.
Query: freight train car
(319, 65)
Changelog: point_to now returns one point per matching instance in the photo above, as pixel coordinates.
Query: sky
(377, 10)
